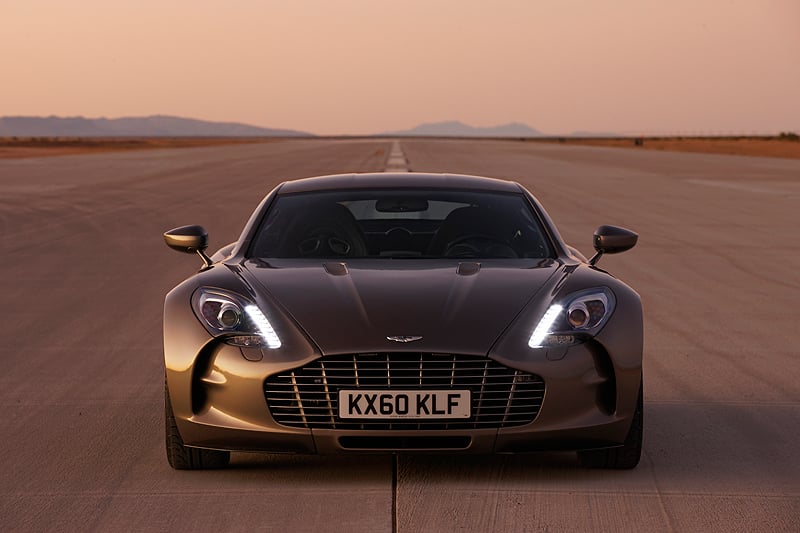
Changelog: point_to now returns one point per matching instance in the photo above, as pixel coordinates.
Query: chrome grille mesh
(308, 397)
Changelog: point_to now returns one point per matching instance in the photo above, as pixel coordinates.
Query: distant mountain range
(455, 128)
(169, 126)
(153, 126)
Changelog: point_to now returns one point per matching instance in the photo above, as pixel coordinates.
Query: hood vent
(336, 269)
(468, 269)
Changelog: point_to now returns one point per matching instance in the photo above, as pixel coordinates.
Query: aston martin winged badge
(404, 338)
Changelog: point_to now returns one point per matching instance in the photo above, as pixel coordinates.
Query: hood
(353, 307)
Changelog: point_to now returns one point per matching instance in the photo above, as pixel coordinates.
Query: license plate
(379, 404)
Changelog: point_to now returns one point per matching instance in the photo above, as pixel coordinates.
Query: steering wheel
(322, 242)
(479, 245)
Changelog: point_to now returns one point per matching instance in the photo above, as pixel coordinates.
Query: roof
(378, 180)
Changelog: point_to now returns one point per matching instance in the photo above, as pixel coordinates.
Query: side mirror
(190, 240)
(612, 240)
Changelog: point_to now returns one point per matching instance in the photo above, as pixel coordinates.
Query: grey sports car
(402, 312)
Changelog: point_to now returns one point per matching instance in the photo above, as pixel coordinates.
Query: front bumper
(220, 403)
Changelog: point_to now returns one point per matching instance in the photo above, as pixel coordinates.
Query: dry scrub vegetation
(19, 147)
(783, 145)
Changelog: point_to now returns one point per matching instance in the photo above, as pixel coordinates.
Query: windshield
(401, 224)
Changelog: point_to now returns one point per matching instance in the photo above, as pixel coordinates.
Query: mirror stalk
(207, 262)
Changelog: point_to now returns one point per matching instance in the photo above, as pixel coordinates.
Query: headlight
(582, 315)
(588, 311)
(233, 318)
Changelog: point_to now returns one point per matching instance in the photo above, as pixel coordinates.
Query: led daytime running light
(264, 327)
(543, 328)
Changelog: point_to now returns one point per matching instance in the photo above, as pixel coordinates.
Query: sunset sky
(368, 66)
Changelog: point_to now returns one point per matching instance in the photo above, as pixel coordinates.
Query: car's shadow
(681, 441)
(381, 465)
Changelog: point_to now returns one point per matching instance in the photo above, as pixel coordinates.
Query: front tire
(182, 457)
(624, 457)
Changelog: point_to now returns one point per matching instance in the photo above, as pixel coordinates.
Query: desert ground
(784, 147)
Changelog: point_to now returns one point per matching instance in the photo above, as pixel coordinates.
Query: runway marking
(397, 161)
(746, 187)
(394, 493)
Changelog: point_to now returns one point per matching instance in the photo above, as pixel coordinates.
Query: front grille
(308, 397)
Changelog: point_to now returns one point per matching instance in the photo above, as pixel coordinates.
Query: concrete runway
(84, 271)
